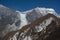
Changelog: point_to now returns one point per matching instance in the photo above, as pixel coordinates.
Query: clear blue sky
(24, 5)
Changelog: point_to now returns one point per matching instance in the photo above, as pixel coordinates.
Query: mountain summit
(38, 12)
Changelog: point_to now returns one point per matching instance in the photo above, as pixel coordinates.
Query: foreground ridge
(26, 29)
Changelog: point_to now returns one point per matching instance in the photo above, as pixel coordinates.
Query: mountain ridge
(35, 19)
(37, 23)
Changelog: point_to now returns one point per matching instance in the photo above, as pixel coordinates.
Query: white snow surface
(23, 19)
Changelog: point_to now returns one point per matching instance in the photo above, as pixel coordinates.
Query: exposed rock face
(52, 32)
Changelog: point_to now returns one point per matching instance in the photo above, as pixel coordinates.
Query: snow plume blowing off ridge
(23, 19)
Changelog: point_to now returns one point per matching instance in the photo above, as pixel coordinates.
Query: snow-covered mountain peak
(41, 10)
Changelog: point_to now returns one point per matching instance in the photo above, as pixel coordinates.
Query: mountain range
(34, 24)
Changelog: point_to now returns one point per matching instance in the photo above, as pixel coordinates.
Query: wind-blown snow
(23, 19)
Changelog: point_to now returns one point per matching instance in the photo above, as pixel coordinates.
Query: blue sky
(23, 5)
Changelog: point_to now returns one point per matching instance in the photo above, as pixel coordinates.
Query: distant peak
(37, 7)
(42, 8)
(3, 6)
